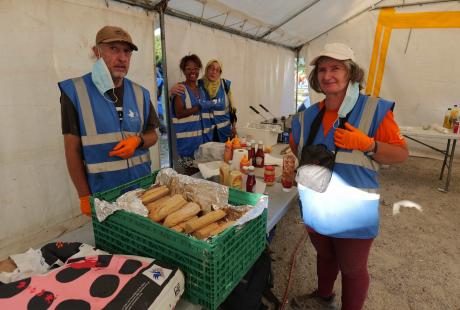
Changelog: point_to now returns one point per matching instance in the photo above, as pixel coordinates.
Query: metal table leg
(446, 155)
(449, 167)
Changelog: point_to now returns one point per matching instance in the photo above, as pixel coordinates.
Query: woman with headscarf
(219, 121)
(219, 115)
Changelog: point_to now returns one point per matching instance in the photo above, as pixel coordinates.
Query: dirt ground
(415, 260)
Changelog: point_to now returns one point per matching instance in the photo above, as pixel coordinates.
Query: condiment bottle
(244, 163)
(224, 172)
(236, 143)
(260, 156)
(252, 153)
(236, 179)
(251, 180)
(269, 175)
(453, 115)
(245, 177)
(228, 152)
(243, 143)
(447, 122)
(288, 171)
(248, 148)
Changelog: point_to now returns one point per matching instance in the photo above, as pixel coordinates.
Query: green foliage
(158, 54)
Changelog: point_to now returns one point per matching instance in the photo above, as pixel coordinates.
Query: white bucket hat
(337, 51)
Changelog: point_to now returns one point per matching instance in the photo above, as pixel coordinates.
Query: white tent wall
(421, 69)
(46, 41)
(260, 73)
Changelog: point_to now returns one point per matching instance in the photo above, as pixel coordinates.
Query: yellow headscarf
(212, 87)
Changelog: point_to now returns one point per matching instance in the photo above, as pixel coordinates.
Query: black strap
(225, 86)
(317, 122)
(315, 126)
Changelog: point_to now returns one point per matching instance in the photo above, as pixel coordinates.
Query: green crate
(212, 269)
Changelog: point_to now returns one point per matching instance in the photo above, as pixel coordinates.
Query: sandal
(313, 301)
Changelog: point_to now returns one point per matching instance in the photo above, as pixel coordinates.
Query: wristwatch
(374, 150)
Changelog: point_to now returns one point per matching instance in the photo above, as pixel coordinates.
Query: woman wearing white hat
(341, 215)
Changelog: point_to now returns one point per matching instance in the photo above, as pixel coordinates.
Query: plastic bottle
(260, 156)
(248, 148)
(243, 143)
(251, 180)
(252, 153)
(269, 175)
(456, 125)
(228, 152)
(287, 177)
(447, 123)
(224, 172)
(236, 179)
(236, 143)
(453, 115)
(245, 176)
(244, 163)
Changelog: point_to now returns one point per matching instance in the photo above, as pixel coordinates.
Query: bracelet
(374, 150)
(141, 144)
(375, 147)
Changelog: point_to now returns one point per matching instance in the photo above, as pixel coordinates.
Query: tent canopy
(288, 23)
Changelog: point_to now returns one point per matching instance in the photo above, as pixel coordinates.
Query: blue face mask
(101, 76)
(350, 99)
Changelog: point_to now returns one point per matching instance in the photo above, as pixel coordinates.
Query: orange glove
(352, 138)
(85, 205)
(125, 149)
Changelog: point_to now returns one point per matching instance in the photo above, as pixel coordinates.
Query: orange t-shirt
(388, 131)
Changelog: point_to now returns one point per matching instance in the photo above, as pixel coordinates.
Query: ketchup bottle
(260, 156)
(251, 180)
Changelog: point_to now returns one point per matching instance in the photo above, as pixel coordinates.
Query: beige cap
(114, 34)
(337, 51)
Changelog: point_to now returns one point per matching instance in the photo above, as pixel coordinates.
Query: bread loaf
(169, 206)
(154, 194)
(222, 227)
(155, 205)
(205, 232)
(178, 228)
(204, 220)
(186, 212)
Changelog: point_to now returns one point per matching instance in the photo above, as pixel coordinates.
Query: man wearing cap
(108, 121)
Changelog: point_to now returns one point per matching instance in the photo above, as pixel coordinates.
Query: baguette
(221, 228)
(204, 220)
(187, 211)
(186, 221)
(171, 205)
(154, 194)
(156, 205)
(205, 232)
(180, 227)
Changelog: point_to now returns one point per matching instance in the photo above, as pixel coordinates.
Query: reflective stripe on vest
(357, 157)
(190, 118)
(119, 164)
(188, 130)
(223, 124)
(88, 116)
(93, 138)
(188, 134)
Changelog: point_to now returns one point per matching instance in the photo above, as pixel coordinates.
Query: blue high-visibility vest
(219, 117)
(101, 130)
(188, 130)
(349, 207)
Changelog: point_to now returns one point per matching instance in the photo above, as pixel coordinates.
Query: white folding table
(415, 133)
